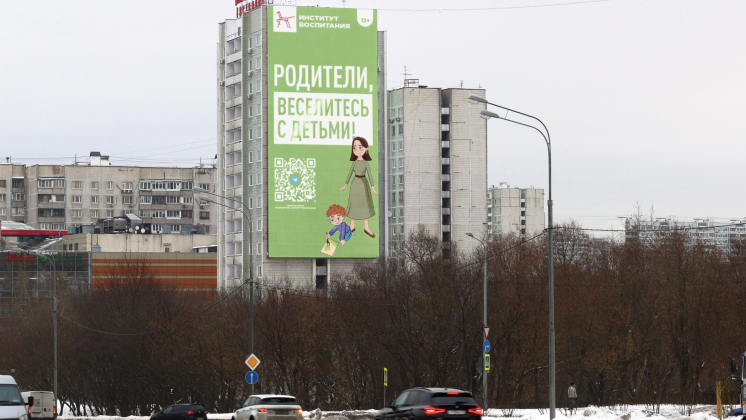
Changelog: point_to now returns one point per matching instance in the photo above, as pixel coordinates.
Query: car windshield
(9, 395)
(278, 401)
(444, 399)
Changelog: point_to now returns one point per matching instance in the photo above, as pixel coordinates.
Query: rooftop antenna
(406, 74)
(462, 84)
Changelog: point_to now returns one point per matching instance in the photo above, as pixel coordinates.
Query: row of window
(394, 162)
(235, 271)
(394, 195)
(16, 183)
(173, 214)
(236, 180)
(394, 129)
(236, 248)
(16, 197)
(400, 178)
(163, 199)
(236, 225)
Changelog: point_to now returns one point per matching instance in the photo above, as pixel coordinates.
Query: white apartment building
(242, 164)
(515, 210)
(706, 230)
(436, 165)
(56, 197)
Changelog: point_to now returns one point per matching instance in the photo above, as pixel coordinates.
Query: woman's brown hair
(363, 143)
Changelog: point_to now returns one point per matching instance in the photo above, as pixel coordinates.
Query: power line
(475, 9)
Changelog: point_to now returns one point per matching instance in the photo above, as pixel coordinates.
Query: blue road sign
(487, 346)
(252, 377)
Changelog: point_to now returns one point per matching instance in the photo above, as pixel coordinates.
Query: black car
(431, 404)
(181, 412)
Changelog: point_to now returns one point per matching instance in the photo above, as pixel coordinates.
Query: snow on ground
(619, 412)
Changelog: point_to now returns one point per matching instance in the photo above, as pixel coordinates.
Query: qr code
(295, 179)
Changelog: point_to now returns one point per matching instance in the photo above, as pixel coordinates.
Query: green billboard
(322, 77)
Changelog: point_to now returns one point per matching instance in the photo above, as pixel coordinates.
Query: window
(251, 180)
(19, 197)
(109, 185)
(401, 179)
(94, 214)
(232, 136)
(401, 111)
(77, 185)
(401, 145)
(258, 155)
(233, 113)
(175, 228)
(401, 229)
(205, 186)
(259, 201)
(393, 180)
(146, 199)
(393, 198)
(187, 185)
(51, 183)
(401, 212)
(258, 40)
(233, 91)
(17, 211)
(110, 199)
(401, 128)
(187, 199)
(144, 185)
(172, 200)
(127, 199)
(3, 183)
(259, 225)
(3, 197)
(173, 214)
(94, 199)
(17, 183)
(109, 213)
(3, 211)
(127, 186)
(251, 202)
(77, 199)
(145, 213)
(187, 214)
(401, 162)
(173, 186)
(159, 199)
(401, 197)
(94, 185)
(204, 215)
(160, 214)
(393, 163)
(259, 248)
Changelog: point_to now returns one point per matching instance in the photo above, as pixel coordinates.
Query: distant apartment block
(515, 210)
(707, 230)
(57, 197)
(436, 165)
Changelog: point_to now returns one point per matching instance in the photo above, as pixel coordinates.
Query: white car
(269, 407)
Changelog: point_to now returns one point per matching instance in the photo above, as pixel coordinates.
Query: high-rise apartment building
(56, 197)
(436, 165)
(243, 85)
(515, 210)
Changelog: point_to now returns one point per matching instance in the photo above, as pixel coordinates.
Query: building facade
(57, 197)
(242, 164)
(707, 231)
(436, 165)
(515, 210)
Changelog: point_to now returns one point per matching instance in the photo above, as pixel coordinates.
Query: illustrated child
(337, 216)
(360, 205)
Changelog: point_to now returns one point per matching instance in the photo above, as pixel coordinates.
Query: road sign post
(385, 384)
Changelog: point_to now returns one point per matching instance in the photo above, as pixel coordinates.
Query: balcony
(445, 161)
(445, 177)
(446, 228)
(446, 211)
(445, 194)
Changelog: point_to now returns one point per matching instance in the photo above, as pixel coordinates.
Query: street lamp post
(247, 216)
(54, 317)
(550, 237)
(484, 372)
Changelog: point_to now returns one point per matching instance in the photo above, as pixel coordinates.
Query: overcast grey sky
(644, 99)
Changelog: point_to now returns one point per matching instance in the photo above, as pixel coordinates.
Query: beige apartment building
(57, 197)
(436, 165)
(515, 210)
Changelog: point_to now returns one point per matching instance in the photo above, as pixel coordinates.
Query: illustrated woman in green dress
(360, 205)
